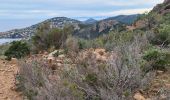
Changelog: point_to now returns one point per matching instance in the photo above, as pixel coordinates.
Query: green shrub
(91, 79)
(3, 49)
(157, 59)
(47, 37)
(165, 19)
(110, 40)
(163, 35)
(17, 50)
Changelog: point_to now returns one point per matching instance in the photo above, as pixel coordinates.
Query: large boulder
(14, 61)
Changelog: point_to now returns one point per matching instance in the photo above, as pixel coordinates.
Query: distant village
(58, 22)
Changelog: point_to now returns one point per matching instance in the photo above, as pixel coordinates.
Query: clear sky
(22, 13)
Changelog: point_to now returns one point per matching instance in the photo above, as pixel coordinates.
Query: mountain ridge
(89, 25)
(90, 21)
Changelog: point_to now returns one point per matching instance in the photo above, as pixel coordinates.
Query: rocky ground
(7, 81)
(159, 88)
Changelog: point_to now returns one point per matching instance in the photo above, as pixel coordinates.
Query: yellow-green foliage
(47, 37)
(162, 35)
(18, 49)
(3, 48)
(109, 41)
(158, 59)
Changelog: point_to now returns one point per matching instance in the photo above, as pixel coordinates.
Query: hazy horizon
(19, 13)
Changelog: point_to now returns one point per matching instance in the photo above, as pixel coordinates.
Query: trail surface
(7, 81)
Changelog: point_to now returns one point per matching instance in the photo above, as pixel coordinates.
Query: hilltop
(90, 21)
(81, 27)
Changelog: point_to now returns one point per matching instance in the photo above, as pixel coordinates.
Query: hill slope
(90, 21)
(163, 8)
(126, 19)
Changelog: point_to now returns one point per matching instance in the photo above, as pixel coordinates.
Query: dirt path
(7, 81)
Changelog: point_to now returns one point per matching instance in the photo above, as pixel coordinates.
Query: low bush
(162, 35)
(157, 59)
(18, 49)
(115, 79)
(110, 40)
(3, 49)
(71, 44)
(86, 77)
(47, 37)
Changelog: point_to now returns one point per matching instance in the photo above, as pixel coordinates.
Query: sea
(7, 40)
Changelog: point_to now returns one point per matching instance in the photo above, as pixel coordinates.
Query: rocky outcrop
(166, 1)
(163, 8)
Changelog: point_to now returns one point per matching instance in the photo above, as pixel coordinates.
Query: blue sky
(22, 13)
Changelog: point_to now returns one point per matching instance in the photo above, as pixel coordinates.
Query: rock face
(166, 1)
(163, 8)
(99, 28)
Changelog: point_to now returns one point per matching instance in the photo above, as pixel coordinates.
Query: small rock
(51, 60)
(167, 85)
(59, 61)
(91, 49)
(100, 51)
(160, 72)
(13, 88)
(61, 56)
(45, 53)
(59, 64)
(100, 58)
(14, 61)
(138, 96)
(156, 85)
(163, 97)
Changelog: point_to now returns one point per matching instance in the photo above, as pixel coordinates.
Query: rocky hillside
(58, 22)
(153, 18)
(99, 28)
(163, 8)
(90, 21)
(126, 19)
(87, 29)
